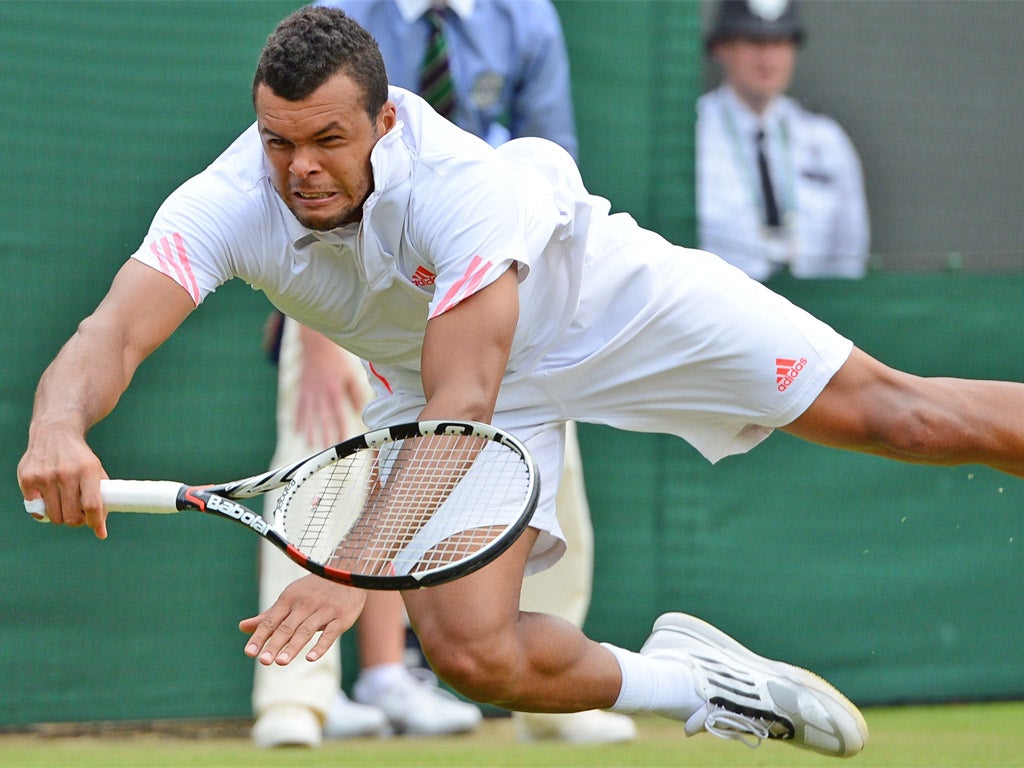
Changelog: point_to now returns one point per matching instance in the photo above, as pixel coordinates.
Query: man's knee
(468, 629)
(481, 668)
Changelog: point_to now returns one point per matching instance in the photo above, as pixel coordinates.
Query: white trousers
(563, 590)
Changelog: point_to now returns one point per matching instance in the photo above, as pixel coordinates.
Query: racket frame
(222, 501)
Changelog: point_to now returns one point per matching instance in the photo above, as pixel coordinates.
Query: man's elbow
(462, 403)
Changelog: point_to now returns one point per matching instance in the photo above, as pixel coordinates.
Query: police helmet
(756, 19)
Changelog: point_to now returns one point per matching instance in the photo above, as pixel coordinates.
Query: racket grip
(159, 496)
(37, 508)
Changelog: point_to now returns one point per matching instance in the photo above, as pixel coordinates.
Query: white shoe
(287, 725)
(346, 720)
(750, 698)
(416, 706)
(591, 727)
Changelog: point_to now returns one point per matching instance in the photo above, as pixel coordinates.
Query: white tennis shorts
(668, 340)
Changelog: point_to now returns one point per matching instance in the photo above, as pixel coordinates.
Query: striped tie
(436, 84)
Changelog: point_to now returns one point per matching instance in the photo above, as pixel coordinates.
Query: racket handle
(37, 508)
(158, 496)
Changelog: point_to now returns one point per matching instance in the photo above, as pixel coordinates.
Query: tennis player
(488, 284)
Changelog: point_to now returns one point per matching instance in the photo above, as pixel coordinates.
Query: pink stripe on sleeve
(174, 263)
(464, 286)
(193, 286)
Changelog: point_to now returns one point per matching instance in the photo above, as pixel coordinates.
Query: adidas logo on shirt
(786, 370)
(423, 277)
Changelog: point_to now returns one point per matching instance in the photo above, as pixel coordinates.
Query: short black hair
(311, 46)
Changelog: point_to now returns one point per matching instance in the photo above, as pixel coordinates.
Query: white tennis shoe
(416, 706)
(287, 725)
(751, 698)
(591, 727)
(348, 720)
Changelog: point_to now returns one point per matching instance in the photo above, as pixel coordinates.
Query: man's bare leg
(477, 640)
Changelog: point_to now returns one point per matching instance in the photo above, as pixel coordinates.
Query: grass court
(941, 736)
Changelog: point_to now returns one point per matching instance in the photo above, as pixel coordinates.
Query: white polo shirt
(447, 216)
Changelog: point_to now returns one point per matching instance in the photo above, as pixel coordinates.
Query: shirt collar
(412, 10)
(340, 236)
(747, 122)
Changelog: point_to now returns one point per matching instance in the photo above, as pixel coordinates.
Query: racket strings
(324, 506)
(408, 506)
(419, 478)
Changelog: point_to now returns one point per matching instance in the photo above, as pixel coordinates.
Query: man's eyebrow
(264, 131)
(331, 127)
(334, 125)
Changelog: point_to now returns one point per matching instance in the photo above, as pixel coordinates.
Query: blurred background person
(499, 69)
(506, 59)
(777, 185)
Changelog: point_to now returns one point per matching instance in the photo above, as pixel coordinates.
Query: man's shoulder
(527, 19)
(714, 103)
(241, 165)
(712, 95)
(237, 178)
(710, 116)
(541, 11)
(432, 140)
(231, 200)
(808, 117)
(820, 133)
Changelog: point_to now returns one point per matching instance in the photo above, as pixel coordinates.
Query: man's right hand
(60, 468)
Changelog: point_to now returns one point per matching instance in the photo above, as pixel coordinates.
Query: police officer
(777, 186)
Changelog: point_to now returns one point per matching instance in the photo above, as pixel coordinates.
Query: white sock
(654, 685)
(377, 678)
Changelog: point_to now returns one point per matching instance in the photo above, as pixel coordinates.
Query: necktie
(771, 207)
(436, 84)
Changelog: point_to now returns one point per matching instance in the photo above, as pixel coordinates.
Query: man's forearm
(84, 382)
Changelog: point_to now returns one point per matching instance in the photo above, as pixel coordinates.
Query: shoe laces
(750, 730)
(730, 725)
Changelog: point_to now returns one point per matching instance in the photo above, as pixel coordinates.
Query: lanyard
(784, 191)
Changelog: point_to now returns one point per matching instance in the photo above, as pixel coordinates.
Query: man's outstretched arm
(83, 384)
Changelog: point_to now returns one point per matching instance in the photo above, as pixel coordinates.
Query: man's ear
(388, 117)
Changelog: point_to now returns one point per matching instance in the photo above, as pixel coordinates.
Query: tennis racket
(407, 506)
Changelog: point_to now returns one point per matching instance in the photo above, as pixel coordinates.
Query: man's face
(759, 70)
(319, 150)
